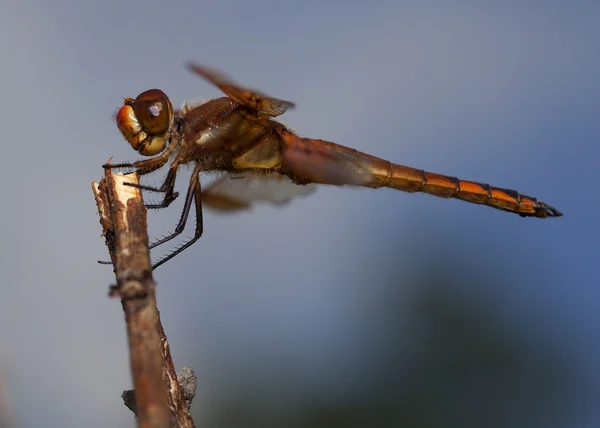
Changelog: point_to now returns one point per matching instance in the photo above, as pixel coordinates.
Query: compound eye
(154, 111)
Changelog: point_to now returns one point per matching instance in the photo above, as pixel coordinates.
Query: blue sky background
(348, 300)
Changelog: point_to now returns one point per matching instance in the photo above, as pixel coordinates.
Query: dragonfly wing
(260, 103)
(318, 161)
(232, 193)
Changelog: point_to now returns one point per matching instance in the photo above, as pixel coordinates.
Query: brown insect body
(237, 134)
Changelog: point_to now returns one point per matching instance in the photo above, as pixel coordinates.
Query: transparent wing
(318, 161)
(260, 103)
(232, 193)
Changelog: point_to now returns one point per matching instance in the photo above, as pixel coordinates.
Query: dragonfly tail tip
(549, 211)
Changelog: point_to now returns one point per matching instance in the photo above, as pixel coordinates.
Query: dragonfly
(263, 160)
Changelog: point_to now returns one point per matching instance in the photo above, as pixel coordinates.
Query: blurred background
(348, 308)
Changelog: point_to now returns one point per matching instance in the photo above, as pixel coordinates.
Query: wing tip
(191, 66)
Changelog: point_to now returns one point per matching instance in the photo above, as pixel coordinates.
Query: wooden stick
(159, 401)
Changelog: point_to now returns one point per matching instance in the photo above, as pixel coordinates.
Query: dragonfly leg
(194, 193)
(145, 166)
(170, 196)
(167, 188)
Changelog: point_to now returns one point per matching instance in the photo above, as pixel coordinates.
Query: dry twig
(159, 400)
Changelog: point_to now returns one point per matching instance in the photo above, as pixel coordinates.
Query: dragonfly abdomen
(417, 180)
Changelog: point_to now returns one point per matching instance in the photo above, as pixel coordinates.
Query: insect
(264, 160)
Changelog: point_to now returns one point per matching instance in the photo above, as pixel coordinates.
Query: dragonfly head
(145, 121)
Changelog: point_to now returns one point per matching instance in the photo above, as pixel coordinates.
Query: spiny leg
(184, 214)
(194, 192)
(170, 196)
(142, 167)
(167, 188)
(146, 166)
(150, 165)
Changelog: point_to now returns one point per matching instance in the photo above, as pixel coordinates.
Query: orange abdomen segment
(416, 180)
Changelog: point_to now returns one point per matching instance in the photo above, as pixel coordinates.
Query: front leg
(142, 167)
(167, 188)
(145, 166)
